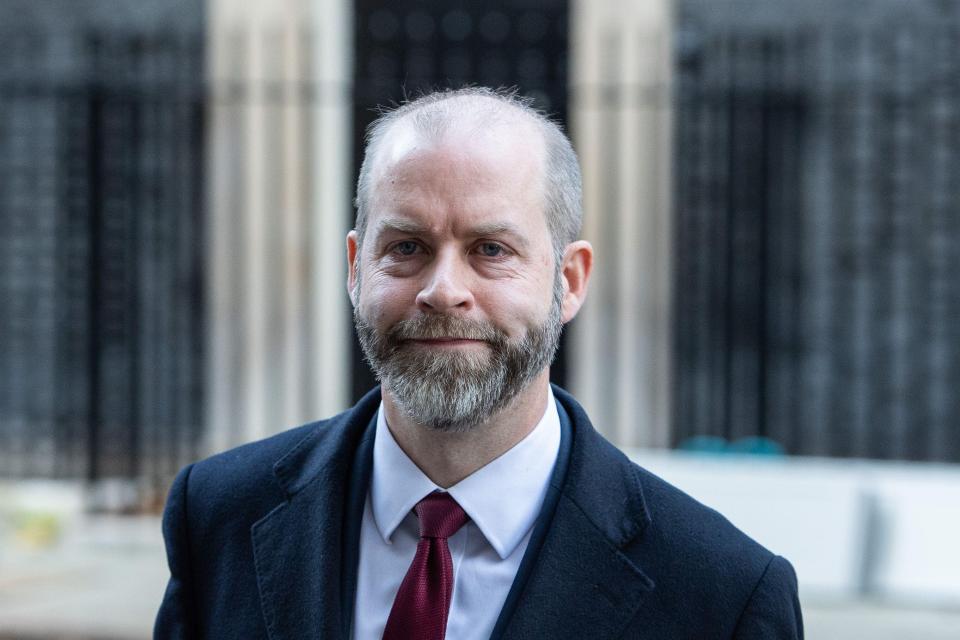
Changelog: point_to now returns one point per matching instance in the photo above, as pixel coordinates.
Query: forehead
(464, 174)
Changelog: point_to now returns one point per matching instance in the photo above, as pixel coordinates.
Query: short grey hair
(433, 113)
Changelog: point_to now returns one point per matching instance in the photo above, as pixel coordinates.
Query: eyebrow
(402, 225)
(399, 225)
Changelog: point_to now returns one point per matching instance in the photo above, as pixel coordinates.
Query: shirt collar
(502, 498)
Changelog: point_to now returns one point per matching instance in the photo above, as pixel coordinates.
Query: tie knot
(440, 516)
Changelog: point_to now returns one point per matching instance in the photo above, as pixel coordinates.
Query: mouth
(449, 342)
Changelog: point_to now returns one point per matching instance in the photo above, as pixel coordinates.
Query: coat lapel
(581, 583)
(300, 545)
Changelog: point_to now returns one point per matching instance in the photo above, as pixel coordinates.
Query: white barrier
(850, 528)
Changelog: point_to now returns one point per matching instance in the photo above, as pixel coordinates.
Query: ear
(353, 250)
(576, 268)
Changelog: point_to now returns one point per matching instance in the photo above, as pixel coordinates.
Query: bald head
(485, 119)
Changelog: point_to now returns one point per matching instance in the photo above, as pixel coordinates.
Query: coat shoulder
(243, 479)
(696, 556)
(727, 583)
(702, 536)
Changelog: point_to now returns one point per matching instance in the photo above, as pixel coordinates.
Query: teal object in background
(757, 445)
(715, 445)
(704, 444)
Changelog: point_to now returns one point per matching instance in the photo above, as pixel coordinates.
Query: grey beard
(453, 391)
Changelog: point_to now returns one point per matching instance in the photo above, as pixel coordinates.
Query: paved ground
(104, 580)
(862, 620)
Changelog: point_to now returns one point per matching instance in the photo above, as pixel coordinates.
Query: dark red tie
(423, 602)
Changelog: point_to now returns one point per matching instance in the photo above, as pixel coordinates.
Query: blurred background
(772, 188)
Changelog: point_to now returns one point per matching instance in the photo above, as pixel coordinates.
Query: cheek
(383, 300)
(518, 308)
(526, 296)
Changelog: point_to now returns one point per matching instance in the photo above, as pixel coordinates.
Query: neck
(447, 458)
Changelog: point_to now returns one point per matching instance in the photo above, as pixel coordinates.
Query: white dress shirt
(502, 499)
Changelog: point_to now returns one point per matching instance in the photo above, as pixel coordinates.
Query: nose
(447, 287)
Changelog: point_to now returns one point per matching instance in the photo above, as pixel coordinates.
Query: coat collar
(298, 546)
(581, 583)
(602, 480)
(580, 578)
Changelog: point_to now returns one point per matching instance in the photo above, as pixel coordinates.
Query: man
(465, 498)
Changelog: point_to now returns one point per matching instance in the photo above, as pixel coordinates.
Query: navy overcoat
(262, 543)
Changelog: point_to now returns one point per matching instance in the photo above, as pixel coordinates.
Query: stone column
(279, 202)
(621, 118)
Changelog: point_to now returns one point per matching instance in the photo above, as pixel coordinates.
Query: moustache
(436, 327)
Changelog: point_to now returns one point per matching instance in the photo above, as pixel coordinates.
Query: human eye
(405, 248)
(491, 249)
